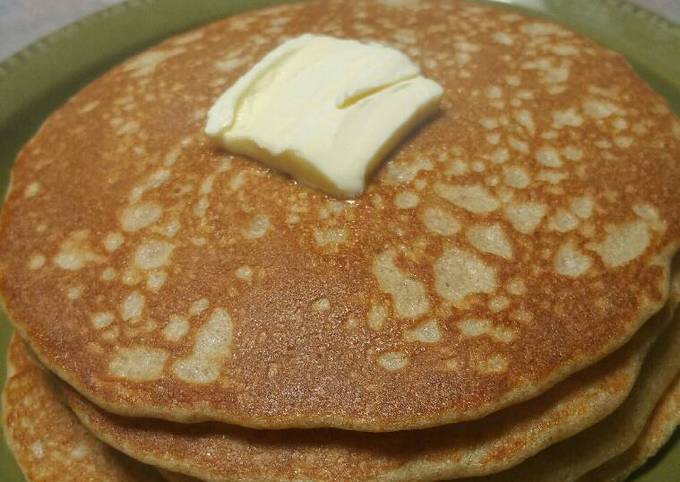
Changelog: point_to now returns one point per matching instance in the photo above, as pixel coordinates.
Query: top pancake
(518, 237)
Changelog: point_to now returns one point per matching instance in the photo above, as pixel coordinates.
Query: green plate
(42, 76)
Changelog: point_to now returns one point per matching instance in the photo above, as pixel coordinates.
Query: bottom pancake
(664, 421)
(48, 442)
(218, 452)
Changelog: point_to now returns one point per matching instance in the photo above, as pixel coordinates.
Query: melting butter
(324, 110)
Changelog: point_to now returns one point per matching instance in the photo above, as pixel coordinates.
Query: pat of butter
(324, 110)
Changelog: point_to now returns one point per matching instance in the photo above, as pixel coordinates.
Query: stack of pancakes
(499, 304)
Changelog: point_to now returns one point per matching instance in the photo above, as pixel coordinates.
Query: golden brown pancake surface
(48, 442)
(522, 235)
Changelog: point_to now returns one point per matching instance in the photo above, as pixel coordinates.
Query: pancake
(47, 441)
(522, 235)
(220, 453)
(659, 429)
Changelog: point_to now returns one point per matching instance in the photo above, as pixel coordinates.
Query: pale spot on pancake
(600, 109)
(475, 327)
(402, 173)
(603, 144)
(31, 190)
(352, 322)
(199, 306)
(128, 128)
(498, 303)
(651, 215)
(229, 63)
(111, 334)
(526, 120)
(89, 107)
(187, 38)
(212, 346)
(537, 29)
(551, 176)
(237, 181)
(321, 304)
(457, 167)
(258, 227)
(502, 38)
(171, 157)
(102, 319)
(132, 306)
(76, 252)
(563, 221)
(176, 329)
(582, 207)
(36, 261)
(495, 364)
(525, 217)
(139, 216)
(377, 315)
(620, 124)
(516, 176)
(566, 118)
(459, 273)
(138, 364)
(201, 206)
(564, 49)
(400, 3)
(489, 122)
(155, 280)
(330, 236)
(490, 239)
(108, 274)
(37, 449)
(153, 254)
(438, 221)
(570, 261)
(474, 198)
(499, 156)
(207, 185)
(465, 46)
(404, 36)
(112, 241)
(451, 364)
(131, 276)
(171, 228)
(408, 294)
(406, 200)
(41, 228)
(518, 145)
(549, 157)
(426, 332)
(145, 63)
(516, 287)
(78, 452)
(493, 138)
(622, 243)
(393, 360)
(74, 292)
(493, 92)
(244, 273)
(624, 142)
(572, 153)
